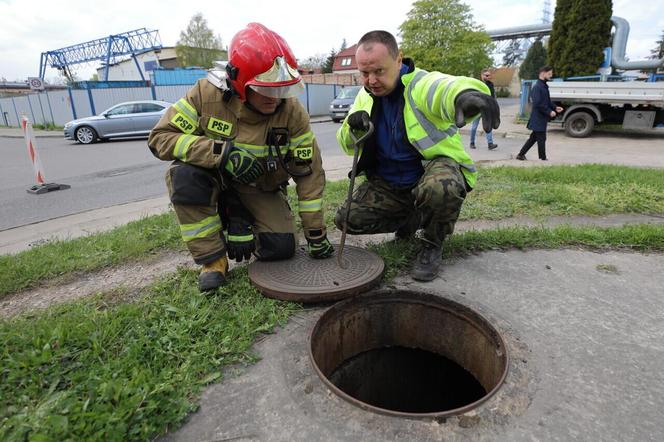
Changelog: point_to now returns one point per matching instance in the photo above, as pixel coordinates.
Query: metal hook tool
(357, 142)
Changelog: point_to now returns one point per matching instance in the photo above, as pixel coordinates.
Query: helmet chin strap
(253, 108)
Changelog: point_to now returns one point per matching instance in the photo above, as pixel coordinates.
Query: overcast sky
(28, 28)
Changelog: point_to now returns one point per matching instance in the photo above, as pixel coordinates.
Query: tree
(313, 62)
(580, 36)
(658, 51)
(441, 35)
(198, 46)
(513, 54)
(559, 29)
(344, 45)
(329, 62)
(535, 59)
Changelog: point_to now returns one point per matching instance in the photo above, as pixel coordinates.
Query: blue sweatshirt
(398, 162)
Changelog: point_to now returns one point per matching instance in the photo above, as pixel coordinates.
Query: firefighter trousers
(195, 194)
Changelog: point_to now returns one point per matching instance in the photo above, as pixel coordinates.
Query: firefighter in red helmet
(235, 140)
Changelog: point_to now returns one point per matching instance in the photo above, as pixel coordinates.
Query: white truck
(633, 104)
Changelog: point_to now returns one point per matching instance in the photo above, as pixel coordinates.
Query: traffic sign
(36, 83)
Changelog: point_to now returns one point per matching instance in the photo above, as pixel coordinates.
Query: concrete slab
(586, 340)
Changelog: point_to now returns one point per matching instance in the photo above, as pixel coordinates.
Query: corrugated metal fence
(59, 107)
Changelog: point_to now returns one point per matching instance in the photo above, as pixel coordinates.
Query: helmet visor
(289, 91)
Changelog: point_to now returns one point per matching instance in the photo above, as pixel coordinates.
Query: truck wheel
(579, 125)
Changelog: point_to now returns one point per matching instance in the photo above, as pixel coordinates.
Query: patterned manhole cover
(303, 279)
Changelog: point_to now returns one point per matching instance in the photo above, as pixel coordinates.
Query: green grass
(502, 192)
(48, 126)
(107, 370)
(63, 259)
(110, 368)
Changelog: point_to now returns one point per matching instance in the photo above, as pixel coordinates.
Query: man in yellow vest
(235, 140)
(418, 172)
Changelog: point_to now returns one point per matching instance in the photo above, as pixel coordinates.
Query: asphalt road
(100, 175)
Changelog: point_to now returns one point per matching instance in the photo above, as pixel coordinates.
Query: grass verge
(104, 369)
(502, 192)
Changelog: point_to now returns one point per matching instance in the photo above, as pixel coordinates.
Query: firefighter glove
(470, 103)
(320, 248)
(240, 244)
(359, 120)
(243, 166)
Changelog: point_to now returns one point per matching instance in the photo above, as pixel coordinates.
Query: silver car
(130, 119)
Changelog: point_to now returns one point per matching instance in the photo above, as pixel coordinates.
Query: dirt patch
(130, 277)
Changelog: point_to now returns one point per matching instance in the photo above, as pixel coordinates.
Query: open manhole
(308, 280)
(408, 354)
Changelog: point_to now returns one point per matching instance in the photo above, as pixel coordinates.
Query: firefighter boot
(213, 275)
(427, 262)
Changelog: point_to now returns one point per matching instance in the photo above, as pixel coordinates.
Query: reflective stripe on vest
(208, 226)
(182, 146)
(433, 134)
(310, 205)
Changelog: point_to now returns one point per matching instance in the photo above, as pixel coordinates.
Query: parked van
(339, 106)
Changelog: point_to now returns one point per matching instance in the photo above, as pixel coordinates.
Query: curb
(36, 136)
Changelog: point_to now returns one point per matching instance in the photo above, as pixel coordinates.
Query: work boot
(427, 262)
(213, 275)
(409, 228)
(521, 157)
(492, 146)
(472, 145)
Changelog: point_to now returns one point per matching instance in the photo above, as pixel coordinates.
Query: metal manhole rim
(376, 296)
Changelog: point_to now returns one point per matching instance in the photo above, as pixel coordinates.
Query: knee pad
(191, 186)
(275, 246)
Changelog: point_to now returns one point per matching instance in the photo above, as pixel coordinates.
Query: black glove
(243, 166)
(240, 244)
(469, 103)
(359, 120)
(320, 248)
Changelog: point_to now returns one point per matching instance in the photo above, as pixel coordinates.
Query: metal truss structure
(109, 50)
(522, 36)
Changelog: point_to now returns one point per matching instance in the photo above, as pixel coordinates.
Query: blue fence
(60, 106)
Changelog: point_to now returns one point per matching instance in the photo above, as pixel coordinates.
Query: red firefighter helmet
(260, 59)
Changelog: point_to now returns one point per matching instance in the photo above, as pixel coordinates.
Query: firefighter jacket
(196, 128)
(428, 115)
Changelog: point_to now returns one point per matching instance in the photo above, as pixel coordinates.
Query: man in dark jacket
(543, 111)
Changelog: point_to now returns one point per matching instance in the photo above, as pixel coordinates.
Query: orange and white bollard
(41, 186)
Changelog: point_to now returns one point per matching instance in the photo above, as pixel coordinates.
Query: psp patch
(303, 153)
(220, 126)
(184, 123)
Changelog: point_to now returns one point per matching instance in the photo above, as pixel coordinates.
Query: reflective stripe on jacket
(428, 116)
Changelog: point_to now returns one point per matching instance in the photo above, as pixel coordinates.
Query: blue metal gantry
(108, 49)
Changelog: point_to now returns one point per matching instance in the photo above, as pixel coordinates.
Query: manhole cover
(303, 279)
(408, 354)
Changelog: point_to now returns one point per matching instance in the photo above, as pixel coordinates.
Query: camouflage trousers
(435, 201)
